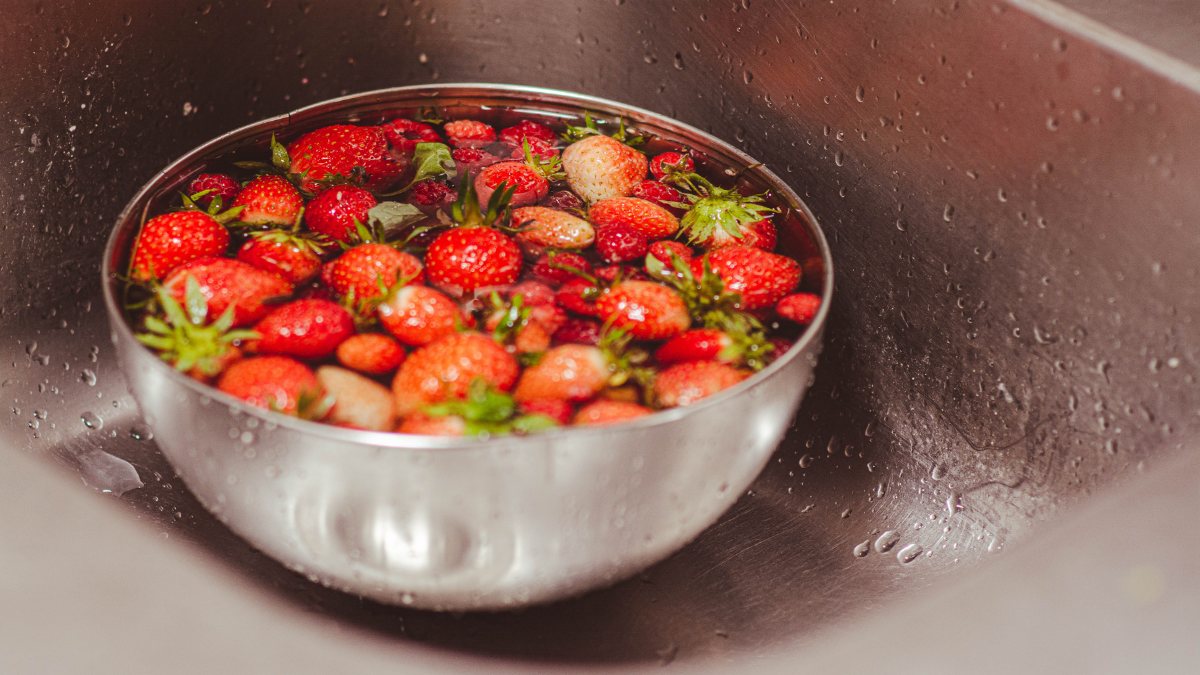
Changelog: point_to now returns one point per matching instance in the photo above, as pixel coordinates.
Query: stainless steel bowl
(464, 524)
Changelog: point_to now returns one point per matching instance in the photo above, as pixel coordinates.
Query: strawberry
(579, 295)
(226, 283)
(648, 218)
(341, 154)
(552, 228)
(599, 167)
(469, 134)
(565, 200)
(674, 160)
(278, 383)
(663, 250)
(285, 253)
(570, 372)
(550, 316)
(529, 186)
(648, 310)
(758, 234)
(417, 315)
(483, 411)
(543, 150)
(605, 412)
(368, 271)
(429, 425)
(720, 217)
(698, 344)
(760, 277)
(799, 307)
(558, 410)
(527, 130)
(370, 353)
(468, 161)
(473, 255)
(174, 238)
(578, 330)
(269, 199)
(186, 342)
(659, 193)
(335, 212)
(510, 324)
(305, 329)
(620, 242)
(688, 382)
(404, 135)
(535, 293)
(214, 185)
(556, 267)
(445, 369)
(358, 402)
(532, 338)
(428, 195)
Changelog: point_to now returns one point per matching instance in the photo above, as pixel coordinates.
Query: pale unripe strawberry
(359, 402)
(599, 167)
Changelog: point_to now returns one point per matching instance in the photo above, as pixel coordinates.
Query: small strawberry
(648, 310)
(605, 412)
(277, 383)
(291, 256)
(659, 193)
(368, 271)
(337, 212)
(469, 161)
(688, 382)
(760, 277)
(620, 242)
(404, 135)
(579, 295)
(417, 315)
(469, 134)
(445, 369)
(370, 353)
(599, 167)
(565, 200)
(719, 217)
(570, 372)
(429, 425)
(473, 254)
(305, 329)
(226, 283)
(552, 228)
(269, 199)
(582, 331)
(559, 267)
(528, 186)
(550, 317)
(534, 292)
(342, 154)
(799, 307)
(558, 410)
(648, 218)
(664, 249)
(167, 241)
(430, 194)
(184, 340)
(214, 185)
(698, 344)
(527, 130)
(358, 402)
(674, 161)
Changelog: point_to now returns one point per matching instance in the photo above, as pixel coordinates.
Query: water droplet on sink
(860, 94)
(886, 541)
(88, 376)
(832, 447)
(846, 513)
(862, 549)
(909, 553)
(91, 420)
(806, 461)
(31, 348)
(948, 212)
(938, 473)
(141, 432)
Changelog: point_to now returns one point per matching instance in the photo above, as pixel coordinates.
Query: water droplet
(880, 490)
(1043, 337)
(44, 359)
(870, 430)
(1002, 195)
(909, 553)
(860, 94)
(938, 472)
(1052, 123)
(839, 158)
(1118, 93)
(832, 447)
(994, 545)
(31, 348)
(747, 76)
(126, 19)
(870, 467)
(678, 61)
(953, 503)
(88, 376)
(846, 513)
(383, 10)
(1059, 44)
(66, 41)
(91, 420)
(1111, 446)
(948, 212)
(862, 549)
(205, 9)
(141, 432)
(886, 541)
(806, 461)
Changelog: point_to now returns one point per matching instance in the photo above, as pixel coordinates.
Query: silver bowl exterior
(454, 524)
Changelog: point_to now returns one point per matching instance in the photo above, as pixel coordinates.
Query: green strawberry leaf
(529, 424)
(279, 155)
(432, 159)
(394, 216)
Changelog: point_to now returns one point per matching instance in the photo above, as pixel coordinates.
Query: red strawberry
(428, 195)
(558, 410)
(570, 372)
(468, 161)
(758, 234)
(599, 167)
(282, 252)
(648, 218)
(620, 242)
(469, 134)
(546, 270)
(605, 412)
(527, 129)
(578, 330)
(370, 353)
(466, 258)
(675, 160)
(269, 199)
(579, 295)
(334, 212)
(551, 317)
(305, 329)
(446, 368)
(649, 311)
(659, 193)
(172, 239)
(534, 293)
(552, 228)
(225, 282)
(357, 402)
(368, 271)
(217, 185)
(429, 425)
(762, 278)
(278, 383)
(542, 149)
(417, 315)
(799, 307)
(404, 135)
(564, 200)
(698, 344)
(531, 338)
(664, 250)
(623, 272)
(335, 153)
(724, 216)
(688, 382)
(530, 187)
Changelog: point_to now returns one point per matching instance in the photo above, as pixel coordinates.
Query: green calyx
(625, 363)
(214, 207)
(490, 412)
(710, 207)
(550, 169)
(623, 135)
(466, 211)
(514, 319)
(183, 339)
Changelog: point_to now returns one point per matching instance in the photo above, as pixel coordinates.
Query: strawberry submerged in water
(501, 278)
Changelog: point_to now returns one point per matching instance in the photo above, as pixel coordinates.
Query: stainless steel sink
(1009, 383)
